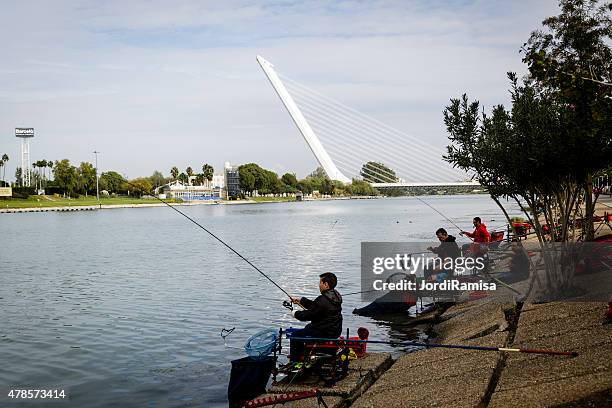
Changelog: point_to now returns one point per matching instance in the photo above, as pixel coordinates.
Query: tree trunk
(588, 232)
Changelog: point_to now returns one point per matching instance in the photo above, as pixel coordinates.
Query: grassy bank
(50, 201)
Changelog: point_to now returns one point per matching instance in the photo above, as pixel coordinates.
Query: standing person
(324, 314)
(480, 236)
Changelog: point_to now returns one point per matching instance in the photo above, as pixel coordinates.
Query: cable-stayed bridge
(351, 145)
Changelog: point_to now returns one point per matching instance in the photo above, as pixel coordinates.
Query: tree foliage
(571, 59)
(542, 152)
(290, 180)
(208, 171)
(361, 188)
(139, 186)
(66, 176)
(86, 177)
(174, 171)
(157, 178)
(111, 181)
(252, 177)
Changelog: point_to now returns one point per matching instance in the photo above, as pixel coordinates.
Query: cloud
(153, 84)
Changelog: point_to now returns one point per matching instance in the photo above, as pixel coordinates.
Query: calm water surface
(124, 307)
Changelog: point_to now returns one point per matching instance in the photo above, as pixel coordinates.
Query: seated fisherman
(324, 314)
(519, 266)
(448, 249)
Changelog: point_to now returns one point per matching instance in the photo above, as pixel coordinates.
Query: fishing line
(444, 216)
(218, 239)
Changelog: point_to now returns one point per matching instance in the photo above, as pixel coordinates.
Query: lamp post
(97, 183)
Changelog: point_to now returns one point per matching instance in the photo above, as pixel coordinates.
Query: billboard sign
(6, 192)
(24, 132)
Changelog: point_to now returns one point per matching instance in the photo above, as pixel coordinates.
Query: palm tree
(42, 165)
(5, 159)
(35, 181)
(50, 166)
(189, 172)
(208, 171)
(174, 172)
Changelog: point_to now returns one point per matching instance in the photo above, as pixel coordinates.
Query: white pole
(97, 183)
(300, 121)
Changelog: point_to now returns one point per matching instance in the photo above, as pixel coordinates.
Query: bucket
(248, 379)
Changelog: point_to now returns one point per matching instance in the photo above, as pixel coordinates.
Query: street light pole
(97, 183)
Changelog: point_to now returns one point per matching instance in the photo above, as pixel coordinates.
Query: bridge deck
(426, 184)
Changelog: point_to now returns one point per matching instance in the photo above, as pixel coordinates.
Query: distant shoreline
(90, 207)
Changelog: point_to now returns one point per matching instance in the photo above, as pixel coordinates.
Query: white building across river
(210, 190)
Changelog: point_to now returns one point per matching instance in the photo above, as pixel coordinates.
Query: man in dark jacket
(448, 248)
(324, 314)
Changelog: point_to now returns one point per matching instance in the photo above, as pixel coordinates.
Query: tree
(374, 172)
(183, 178)
(319, 172)
(174, 171)
(36, 179)
(189, 172)
(305, 185)
(50, 166)
(140, 186)
(361, 188)
(542, 153)
(111, 181)
(86, 174)
(65, 176)
(250, 177)
(18, 176)
(246, 181)
(516, 160)
(571, 59)
(290, 180)
(5, 159)
(156, 179)
(42, 166)
(208, 171)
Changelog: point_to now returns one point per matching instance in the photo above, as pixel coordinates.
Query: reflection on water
(124, 307)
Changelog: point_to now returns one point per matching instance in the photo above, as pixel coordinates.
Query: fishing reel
(288, 305)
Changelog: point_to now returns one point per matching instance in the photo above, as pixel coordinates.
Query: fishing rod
(433, 208)
(437, 345)
(218, 239)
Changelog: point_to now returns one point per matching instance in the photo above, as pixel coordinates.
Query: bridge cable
(318, 118)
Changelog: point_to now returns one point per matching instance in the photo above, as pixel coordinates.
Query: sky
(155, 84)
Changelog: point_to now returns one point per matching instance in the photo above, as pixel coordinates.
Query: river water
(124, 307)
